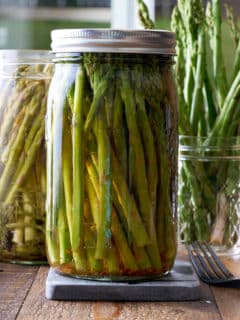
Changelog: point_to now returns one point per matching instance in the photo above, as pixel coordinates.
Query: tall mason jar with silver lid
(24, 82)
(111, 132)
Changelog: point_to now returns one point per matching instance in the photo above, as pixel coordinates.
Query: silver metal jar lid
(115, 41)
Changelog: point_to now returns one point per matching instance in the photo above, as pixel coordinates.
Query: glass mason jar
(24, 81)
(209, 192)
(111, 134)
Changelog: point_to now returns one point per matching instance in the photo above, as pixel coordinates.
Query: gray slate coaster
(179, 285)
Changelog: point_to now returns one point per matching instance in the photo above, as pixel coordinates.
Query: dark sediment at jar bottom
(123, 275)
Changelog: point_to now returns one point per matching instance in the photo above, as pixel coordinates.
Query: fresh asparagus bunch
(22, 175)
(209, 107)
(143, 15)
(111, 170)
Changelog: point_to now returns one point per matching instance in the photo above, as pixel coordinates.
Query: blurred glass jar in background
(24, 81)
(209, 192)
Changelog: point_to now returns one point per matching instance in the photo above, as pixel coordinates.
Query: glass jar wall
(24, 81)
(111, 134)
(209, 186)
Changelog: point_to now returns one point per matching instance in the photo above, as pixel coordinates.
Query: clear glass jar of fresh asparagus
(111, 132)
(208, 86)
(209, 188)
(24, 81)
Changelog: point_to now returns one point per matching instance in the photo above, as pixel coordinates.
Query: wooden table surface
(22, 297)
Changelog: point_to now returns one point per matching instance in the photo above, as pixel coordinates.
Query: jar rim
(113, 40)
(208, 142)
(209, 149)
(25, 56)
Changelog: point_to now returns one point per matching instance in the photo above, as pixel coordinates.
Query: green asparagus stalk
(138, 232)
(78, 174)
(63, 233)
(67, 172)
(144, 15)
(40, 179)
(151, 163)
(219, 71)
(179, 29)
(236, 66)
(97, 100)
(120, 133)
(6, 92)
(233, 24)
(103, 158)
(29, 233)
(140, 181)
(112, 262)
(230, 102)
(30, 157)
(208, 101)
(166, 236)
(186, 218)
(128, 205)
(104, 233)
(31, 147)
(118, 234)
(197, 99)
(17, 147)
(148, 142)
(95, 265)
(192, 17)
(140, 254)
(15, 102)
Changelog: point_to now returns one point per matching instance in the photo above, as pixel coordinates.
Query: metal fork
(209, 267)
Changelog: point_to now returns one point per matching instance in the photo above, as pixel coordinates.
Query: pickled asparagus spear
(118, 234)
(78, 155)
